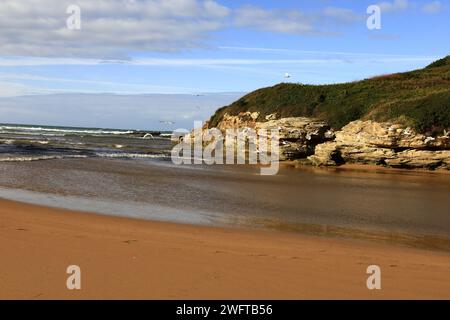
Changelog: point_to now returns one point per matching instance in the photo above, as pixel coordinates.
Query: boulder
(326, 154)
(366, 154)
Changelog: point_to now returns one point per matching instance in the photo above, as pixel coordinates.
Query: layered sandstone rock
(364, 142)
(369, 142)
(333, 153)
(415, 159)
(243, 120)
(298, 136)
(387, 135)
(326, 154)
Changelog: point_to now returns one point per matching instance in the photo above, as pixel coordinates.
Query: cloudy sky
(135, 47)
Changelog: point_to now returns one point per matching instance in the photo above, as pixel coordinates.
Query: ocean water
(119, 172)
(32, 143)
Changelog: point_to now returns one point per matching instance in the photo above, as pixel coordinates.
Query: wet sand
(387, 206)
(123, 258)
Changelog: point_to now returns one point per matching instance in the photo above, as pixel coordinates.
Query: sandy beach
(192, 150)
(132, 259)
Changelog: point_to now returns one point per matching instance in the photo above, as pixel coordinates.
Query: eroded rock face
(415, 159)
(298, 136)
(387, 135)
(243, 120)
(326, 154)
(364, 142)
(369, 142)
(297, 128)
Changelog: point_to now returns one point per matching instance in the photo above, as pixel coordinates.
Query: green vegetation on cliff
(420, 99)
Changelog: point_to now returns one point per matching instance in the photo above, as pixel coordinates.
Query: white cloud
(396, 5)
(294, 21)
(316, 53)
(270, 20)
(5, 62)
(109, 86)
(114, 29)
(118, 29)
(432, 7)
(151, 62)
(109, 28)
(341, 14)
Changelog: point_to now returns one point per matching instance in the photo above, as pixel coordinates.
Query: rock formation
(298, 136)
(364, 142)
(370, 142)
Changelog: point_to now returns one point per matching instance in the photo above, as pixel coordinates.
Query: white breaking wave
(11, 141)
(38, 158)
(99, 154)
(166, 135)
(62, 130)
(129, 155)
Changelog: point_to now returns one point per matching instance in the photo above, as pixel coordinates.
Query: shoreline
(123, 258)
(366, 168)
(433, 242)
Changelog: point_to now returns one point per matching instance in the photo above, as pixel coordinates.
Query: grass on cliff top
(420, 99)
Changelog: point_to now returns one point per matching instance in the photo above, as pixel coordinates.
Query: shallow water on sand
(412, 208)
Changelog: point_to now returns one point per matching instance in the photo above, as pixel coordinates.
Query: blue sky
(195, 46)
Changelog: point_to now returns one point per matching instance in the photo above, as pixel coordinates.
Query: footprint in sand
(130, 241)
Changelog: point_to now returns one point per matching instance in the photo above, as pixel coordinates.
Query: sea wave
(130, 155)
(27, 158)
(21, 142)
(30, 142)
(66, 130)
(39, 158)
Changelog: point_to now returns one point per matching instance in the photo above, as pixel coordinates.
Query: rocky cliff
(398, 120)
(298, 135)
(364, 142)
(419, 99)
